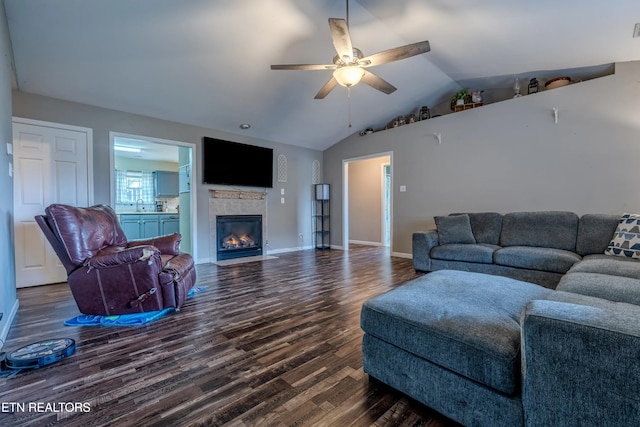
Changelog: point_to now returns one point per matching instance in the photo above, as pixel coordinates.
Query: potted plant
(460, 98)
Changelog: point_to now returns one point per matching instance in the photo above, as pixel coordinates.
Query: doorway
(367, 200)
(386, 204)
(145, 155)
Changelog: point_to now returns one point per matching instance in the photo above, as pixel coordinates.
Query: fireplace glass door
(238, 236)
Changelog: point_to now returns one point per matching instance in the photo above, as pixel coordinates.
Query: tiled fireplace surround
(232, 202)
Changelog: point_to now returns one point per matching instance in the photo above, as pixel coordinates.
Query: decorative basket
(557, 82)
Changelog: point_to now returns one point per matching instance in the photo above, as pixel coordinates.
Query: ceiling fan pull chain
(349, 102)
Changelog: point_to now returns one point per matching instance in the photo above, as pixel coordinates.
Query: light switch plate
(9, 148)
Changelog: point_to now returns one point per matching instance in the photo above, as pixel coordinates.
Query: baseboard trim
(401, 255)
(362, 242)
(9, 321)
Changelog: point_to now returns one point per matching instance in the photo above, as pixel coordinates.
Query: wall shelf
(467, 106)
(321, 217)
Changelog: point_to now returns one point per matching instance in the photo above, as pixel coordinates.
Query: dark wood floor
(273, 343)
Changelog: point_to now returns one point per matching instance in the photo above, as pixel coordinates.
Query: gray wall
(8, 299)
(365, 200)
(510, 156)
(284, 221)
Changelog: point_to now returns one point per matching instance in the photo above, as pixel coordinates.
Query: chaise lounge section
(498, 350)
(493, 351)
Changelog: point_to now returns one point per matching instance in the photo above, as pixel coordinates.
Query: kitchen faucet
(137, 205)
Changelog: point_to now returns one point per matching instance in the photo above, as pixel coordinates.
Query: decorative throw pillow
(454, 229)
(626, 239)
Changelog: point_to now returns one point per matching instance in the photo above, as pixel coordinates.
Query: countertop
(147, 213)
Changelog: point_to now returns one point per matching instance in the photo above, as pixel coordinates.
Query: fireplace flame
(235, 242)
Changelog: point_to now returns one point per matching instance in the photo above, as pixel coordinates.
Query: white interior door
(51, 165)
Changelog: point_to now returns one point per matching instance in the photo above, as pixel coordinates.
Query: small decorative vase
(516, 88)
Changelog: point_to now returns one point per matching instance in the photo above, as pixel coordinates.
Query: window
(132, 186)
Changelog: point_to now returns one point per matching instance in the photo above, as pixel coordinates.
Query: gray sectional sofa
(487, 350)
(537, 247)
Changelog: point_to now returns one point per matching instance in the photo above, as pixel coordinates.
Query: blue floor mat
(135, 319)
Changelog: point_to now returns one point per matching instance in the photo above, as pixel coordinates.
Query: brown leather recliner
(108, 275)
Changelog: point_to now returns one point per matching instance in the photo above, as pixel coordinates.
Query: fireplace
(238, 236)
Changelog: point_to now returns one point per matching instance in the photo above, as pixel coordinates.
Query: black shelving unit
(321, 217)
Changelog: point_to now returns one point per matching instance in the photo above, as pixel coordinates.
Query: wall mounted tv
(233, 163)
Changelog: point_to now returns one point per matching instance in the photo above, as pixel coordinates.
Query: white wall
(8, 298)
(284, 221)
(511, 156)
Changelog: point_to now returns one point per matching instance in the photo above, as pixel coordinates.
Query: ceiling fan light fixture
(349, 75)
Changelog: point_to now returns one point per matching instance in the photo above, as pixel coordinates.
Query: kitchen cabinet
(149, 226)
(169, 224)
(165, 184)
(144, 226)
(131, 226)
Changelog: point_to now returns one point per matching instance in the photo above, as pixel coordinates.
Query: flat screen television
(233, 163)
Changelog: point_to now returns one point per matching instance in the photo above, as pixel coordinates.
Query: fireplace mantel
(235, 202)
(236, 194)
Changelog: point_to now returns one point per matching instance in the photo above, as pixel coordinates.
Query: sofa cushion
(612, 288)
(589, 301)
(626, 238)
(486, 226)
(594, 233)
(454, 229)
(543, 259)
(604, 264)
(548, 229)
(465, 322)
(481, 253)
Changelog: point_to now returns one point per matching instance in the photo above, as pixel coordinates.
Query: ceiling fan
(349, 63)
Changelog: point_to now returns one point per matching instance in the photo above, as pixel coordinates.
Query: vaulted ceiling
(207, 62)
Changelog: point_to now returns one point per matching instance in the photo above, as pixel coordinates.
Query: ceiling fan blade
(328, 87)
(395, 54)
(377, 82)
(341, 38)
(304, 67)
